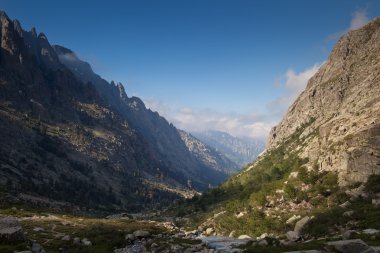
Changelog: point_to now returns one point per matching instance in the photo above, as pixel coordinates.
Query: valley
(84, 167)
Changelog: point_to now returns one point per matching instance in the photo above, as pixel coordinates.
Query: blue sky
(227, 65)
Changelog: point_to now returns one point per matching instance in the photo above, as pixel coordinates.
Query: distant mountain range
(69, 135)
(239, 150)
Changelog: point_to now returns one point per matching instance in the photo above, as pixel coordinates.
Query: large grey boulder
(11, 230)
(300, 224)
(37, 248)
(348, 246)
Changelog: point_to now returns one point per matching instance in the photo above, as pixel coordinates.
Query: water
(222, 243)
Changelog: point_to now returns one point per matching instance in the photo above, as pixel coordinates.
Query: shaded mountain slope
(71, 136)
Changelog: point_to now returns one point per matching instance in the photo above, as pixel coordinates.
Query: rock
(345, 204)
(263, 243)
(370, 231)
(76, 240)
(37, 248)
(370, 250)
(244, 237)
(209, 231)
(292, 236)
(86, 242)
(262, 236)
(348, 213)
(240, 214)
(232, 234)
(348, 234)
(10, 229)
(293, 219)
(376, 202)
(154, 245)
(66, 238)
(38, 229)
(300, 224)
(130, 237)
(141, 233)
(348, 246)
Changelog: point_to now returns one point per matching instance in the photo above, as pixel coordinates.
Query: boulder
(348, 213)
(66, 238)
(347, 246)
(130, 237)
(141, 233)
(293, 219)
(11, 230)
(292, 236)
(37, 248)
(300, 224)
(370, 231)
(244, 237)
(209, 231)
(86, 242)
(232, 234)
(263, 243)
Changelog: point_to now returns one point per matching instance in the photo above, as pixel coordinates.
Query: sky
(227, 65)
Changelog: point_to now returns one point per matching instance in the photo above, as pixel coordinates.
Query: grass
(104, 234)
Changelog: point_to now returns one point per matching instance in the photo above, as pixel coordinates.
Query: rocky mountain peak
(341, 106)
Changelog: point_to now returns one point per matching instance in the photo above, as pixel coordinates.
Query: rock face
(240, 151)
(69, 135)
(341, 106)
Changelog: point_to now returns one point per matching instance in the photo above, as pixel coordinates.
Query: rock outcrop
(341, 105)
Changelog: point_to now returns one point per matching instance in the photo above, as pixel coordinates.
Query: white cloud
(294, 84)
(359, 19)
(242, 125)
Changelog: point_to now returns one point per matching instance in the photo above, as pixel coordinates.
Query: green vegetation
(104, 234)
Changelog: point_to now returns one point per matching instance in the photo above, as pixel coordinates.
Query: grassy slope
(256, 191)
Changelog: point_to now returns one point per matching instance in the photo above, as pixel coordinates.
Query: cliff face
(69, 135)
(341, 101)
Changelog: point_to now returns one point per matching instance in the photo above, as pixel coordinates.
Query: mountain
(240, 151)
(320, 174)
(68, 135)
(207, 155)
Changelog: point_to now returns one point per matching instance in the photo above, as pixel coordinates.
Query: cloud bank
(242, 125)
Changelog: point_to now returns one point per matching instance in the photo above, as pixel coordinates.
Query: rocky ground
(26, 231)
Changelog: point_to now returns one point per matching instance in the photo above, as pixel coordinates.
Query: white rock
(244, 237)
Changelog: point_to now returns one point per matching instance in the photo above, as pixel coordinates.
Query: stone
(141, 233)
(345, 204)
(263, 243)
(11, 230)
(37, 248)
(66, 238)
(232, 234)
(300, 224)
(262, 236)
(38, 229)
(292, 236)
(370, 231)
(76, 240)
(348, 234)
(293, 219)
(348, 246)
(244, 237)
(376, 202)
(348, 213)
(209, 231)
(130, 237)
(86, 242)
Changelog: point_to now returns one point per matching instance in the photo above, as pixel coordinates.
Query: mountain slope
(69, 135)
(240, 151)
(322, 160)
(208, 155)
